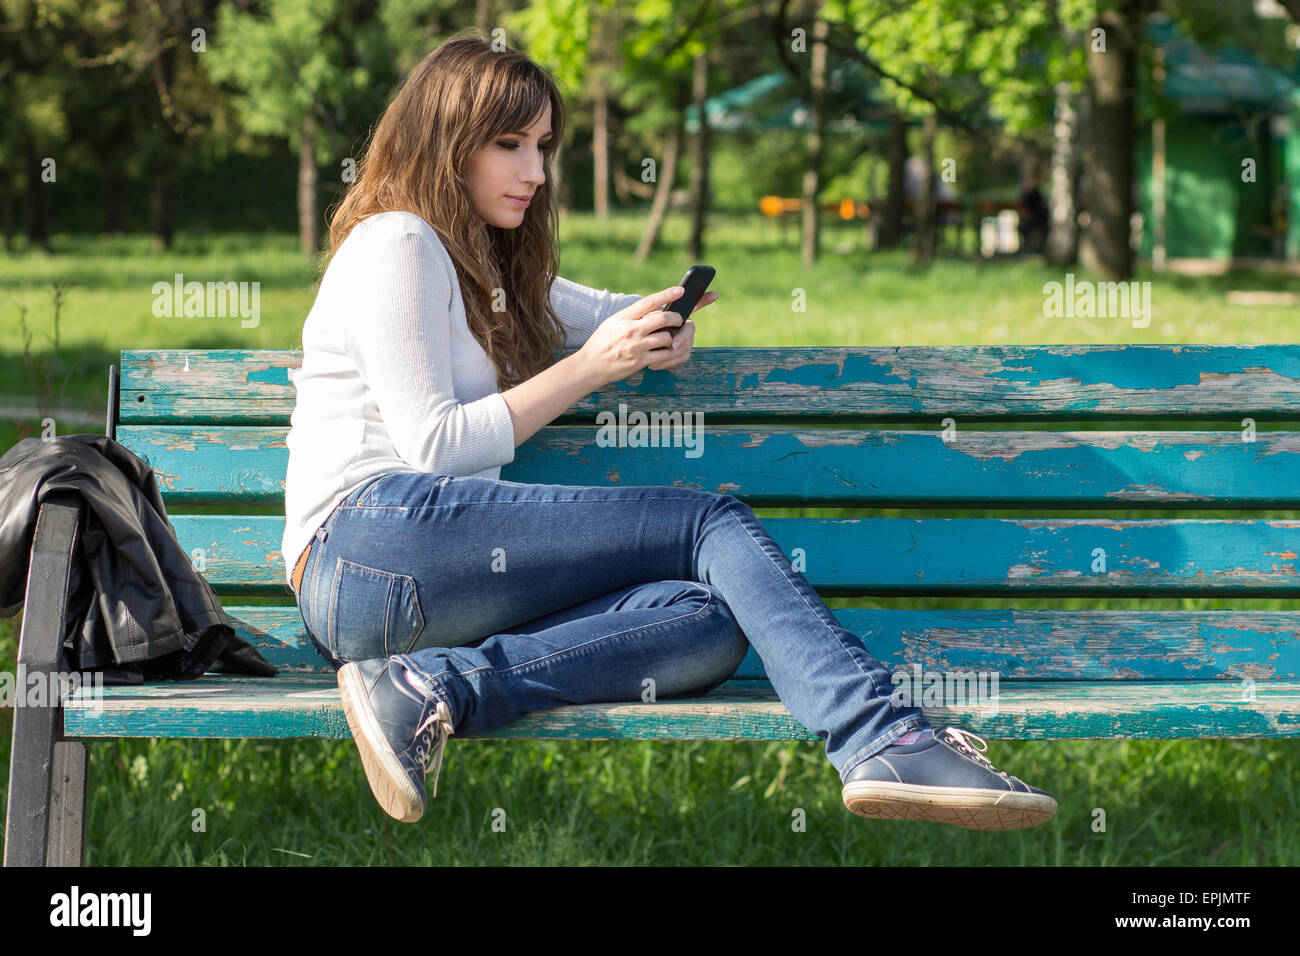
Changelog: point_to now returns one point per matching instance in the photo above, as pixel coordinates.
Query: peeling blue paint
(1144, 367)
(270, 375)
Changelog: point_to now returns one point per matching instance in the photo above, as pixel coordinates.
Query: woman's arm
(542, 398)
(581, 309)
(398, 331)
(624, 343)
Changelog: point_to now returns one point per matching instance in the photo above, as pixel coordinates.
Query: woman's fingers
(684, 335)
(660, 299)
(705, 299)
(679, 351)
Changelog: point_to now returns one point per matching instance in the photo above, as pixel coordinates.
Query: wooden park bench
(784, 211)
(1008, 432)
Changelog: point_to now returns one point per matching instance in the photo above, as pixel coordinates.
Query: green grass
(628, 802)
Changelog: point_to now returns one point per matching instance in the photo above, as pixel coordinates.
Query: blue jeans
(507, 598)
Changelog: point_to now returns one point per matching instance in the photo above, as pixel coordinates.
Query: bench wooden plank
(1032, 644)
(198, 464)
(738, 710)
(889, 383)
(912, 556)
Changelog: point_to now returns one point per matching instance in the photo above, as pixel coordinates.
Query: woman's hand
(633, 338)
(683, 339)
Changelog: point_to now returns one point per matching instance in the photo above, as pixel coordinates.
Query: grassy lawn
(612, 802)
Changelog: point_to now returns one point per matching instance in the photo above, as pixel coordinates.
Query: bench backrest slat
(915, 556)
(778, 466)
(903, 383)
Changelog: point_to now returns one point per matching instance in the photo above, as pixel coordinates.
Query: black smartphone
(695, 282)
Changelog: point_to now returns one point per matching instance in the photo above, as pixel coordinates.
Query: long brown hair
(456, 100)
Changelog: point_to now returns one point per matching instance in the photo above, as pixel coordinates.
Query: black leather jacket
(137, 608)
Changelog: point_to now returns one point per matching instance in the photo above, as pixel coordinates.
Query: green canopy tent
(776, 101)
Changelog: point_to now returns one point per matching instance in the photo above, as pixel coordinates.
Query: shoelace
(962, 739)
(435, 730)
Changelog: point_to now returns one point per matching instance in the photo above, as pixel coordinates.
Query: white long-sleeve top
(393, 380)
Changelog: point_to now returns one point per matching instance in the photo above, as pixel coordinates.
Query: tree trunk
(816, 138)
(700, 159)
(629, 190)
(600, 150)
(308, 227)
(115, 205)
(663, 193)
(37, 207)
(604, 53)
(923, 253)
(1063, 228)
(160, 212)
(1108, 153)
(890, 232)
(7, 218)
(1158, 166)
(559, 187)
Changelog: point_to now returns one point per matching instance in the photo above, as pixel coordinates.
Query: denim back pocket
(371, 613)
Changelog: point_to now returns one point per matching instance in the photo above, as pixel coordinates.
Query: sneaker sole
(388, 780)
(966, 807)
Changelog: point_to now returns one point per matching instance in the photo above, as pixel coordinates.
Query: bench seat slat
(897, 383)
(912, 556)
(199, 464)
(215, 707)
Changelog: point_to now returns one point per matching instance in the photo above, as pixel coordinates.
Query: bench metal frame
(45, 822)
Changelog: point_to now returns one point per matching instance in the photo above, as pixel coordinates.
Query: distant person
(914, 172)
(450, 601)
(1034, 218)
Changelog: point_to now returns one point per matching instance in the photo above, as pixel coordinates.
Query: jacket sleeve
(581, 308)
(399, 334)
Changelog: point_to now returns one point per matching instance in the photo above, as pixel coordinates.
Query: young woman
(451, 601)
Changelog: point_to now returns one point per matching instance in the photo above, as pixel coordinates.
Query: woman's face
(510, 165)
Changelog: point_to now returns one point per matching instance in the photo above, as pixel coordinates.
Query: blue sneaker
(944, 778)
(399, 732)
